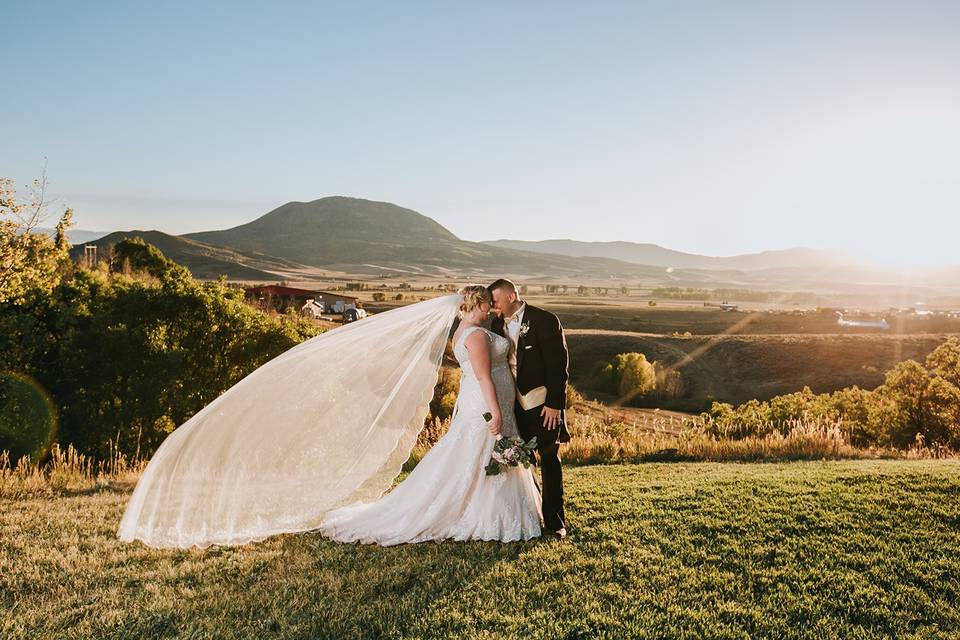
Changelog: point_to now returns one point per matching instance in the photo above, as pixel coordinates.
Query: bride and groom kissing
(293, 447)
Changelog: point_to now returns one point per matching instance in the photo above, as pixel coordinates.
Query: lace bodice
(499, 349)
(470, 398)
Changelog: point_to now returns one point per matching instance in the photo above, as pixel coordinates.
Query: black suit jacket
(542, 358)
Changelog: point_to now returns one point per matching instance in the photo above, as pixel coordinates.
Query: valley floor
(853, 549)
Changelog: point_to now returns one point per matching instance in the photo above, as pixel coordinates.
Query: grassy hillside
(867, 549)
(739, 368)
(205, 261)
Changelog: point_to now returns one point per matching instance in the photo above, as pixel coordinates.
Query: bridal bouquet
(509, 452)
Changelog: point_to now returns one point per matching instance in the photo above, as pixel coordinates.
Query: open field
(738, 368)
(865, 549)
(670, 317)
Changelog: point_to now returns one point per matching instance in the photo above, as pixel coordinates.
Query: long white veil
(327, 423)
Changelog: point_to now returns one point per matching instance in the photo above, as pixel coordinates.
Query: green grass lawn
(863, 549)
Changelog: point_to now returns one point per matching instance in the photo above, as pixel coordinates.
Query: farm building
(308, 301)
(336, 303)
(280, 297)
(313, 308)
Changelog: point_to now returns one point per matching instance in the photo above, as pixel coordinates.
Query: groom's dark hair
(502, 283)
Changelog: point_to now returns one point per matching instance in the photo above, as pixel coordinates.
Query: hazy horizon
(709, 129)
(859, 258)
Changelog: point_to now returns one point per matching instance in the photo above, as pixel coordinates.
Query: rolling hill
(364, 236)
(202, 259)
(655, 255)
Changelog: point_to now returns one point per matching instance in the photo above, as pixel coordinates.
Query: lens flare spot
(28, 416)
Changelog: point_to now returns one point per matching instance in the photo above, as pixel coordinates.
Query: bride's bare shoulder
(475, 338)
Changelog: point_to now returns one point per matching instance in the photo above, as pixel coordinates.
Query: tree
(629, 375)
(906, 384)
(124, 358)
(944, 361)
(29, 259)
(915, 402)
(134, 254)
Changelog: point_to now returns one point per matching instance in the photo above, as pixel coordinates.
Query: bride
(448, 494)
(312, 440)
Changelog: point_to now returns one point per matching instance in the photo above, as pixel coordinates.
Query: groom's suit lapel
(522, 338)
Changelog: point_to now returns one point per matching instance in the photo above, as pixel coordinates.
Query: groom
(539, 361)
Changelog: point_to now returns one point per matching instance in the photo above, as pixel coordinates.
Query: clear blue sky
(713, 127)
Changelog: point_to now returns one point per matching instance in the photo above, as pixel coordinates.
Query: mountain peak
(335, 229)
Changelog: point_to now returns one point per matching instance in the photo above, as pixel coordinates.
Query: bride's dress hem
(370, 542)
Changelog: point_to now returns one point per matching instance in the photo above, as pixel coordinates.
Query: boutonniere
(523, 330)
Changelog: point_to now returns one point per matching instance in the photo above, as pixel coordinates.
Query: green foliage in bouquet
(510, 452)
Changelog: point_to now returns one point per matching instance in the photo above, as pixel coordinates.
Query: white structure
(862, 322)
(352, 313)
(312, 308)
(339, 306)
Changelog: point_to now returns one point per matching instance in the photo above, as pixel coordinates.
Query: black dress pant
(530, 424)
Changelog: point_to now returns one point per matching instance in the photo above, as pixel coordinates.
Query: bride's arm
(478, 347)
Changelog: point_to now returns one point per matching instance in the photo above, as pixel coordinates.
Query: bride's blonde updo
(473, 296)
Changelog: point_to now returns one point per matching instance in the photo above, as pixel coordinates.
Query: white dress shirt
(513, 327)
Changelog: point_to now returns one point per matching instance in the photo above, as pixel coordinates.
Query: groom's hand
(551, 417)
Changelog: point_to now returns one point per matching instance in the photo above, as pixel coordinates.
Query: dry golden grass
(602, 440)
(599, 435)
(67, 471)
(605, 435)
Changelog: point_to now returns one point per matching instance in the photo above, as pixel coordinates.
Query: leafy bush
(629, 376)
(135, 255)
(633, 379)
(917, 403)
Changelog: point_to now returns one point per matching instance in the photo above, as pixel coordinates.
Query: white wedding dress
(448, 495)
(314, 439)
